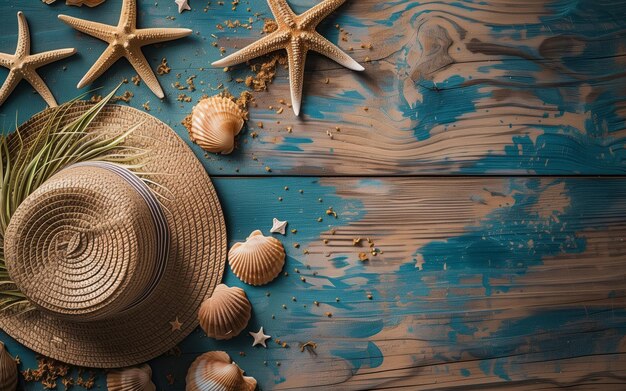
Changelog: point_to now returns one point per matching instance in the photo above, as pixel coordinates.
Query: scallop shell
(215, 122)
(258, 260)
(131, 379)
(8, 370)
(88, 3)
(215, 371)
(78, 3)
(225, 314)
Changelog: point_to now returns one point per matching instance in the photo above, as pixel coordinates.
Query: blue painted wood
(534, 89)
(494, 282)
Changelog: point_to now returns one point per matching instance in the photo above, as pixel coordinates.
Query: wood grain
(500, 283)
(458, 87)
(511, 283)
(528, 257)
(487, 283)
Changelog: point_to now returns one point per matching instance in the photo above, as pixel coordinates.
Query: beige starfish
(176, 325)
(23, 65)
(125, 40)
(297, 35)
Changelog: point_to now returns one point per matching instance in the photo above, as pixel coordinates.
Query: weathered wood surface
(487, 283)
(533, 87)
(483, 283)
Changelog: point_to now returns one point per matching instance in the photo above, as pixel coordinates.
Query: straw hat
(116, 273)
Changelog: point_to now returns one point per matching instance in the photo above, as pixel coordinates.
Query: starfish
(278, 226)
(182, 6)
(297, 35)
(23, 65)
(125, 40)
(259, 338)
(176, 325)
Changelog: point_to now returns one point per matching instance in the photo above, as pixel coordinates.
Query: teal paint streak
(436, 110)
(564, 333)
(507, 243)
(512, 239)
(590, 150)
(351, 94)
(321, 108)
(594, 144)
(370, 357)
(292, 144)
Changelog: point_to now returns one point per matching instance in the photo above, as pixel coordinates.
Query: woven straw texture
(78, 321)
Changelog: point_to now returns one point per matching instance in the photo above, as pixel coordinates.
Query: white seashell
(215, 122)
(225, 314)
(258, 260)
(131, 379)
(215, 371)
(8, 370)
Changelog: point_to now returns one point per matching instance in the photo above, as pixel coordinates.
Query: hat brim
(195, 264)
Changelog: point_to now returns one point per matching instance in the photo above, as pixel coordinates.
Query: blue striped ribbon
(158, 218)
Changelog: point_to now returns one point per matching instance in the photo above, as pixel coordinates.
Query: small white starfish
(260, 338)
(278, 226)
(23, 65)
(182, 6)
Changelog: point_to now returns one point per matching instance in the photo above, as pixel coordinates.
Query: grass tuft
(23, 168)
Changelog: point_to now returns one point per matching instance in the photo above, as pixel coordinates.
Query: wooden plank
(500, 283)
(458, 87)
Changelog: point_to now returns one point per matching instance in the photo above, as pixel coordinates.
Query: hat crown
(85, 244)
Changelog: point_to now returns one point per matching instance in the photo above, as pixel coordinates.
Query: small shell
(8, 370)
(88, 3)
(215, 122)
(225, 314)
(258, 260)
(78, 3)
(215, 371)
(131, 379)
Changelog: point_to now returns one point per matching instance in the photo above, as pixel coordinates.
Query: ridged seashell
(8, 370)
(88, 3)
(258, 260)
(215, 371)
(215, 122)
(225, 314)
(78, 3)
(131, 379)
